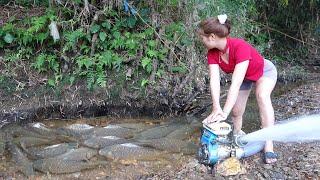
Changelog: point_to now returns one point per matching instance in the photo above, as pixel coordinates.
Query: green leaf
(106, 25)
(152, 43)
(159, 73)
(84, 61)
(145, 61)
(106, 58)
(8, 38)
(101, 80)
(152, 53)
(179, 69)
(95, 28)
(144, 82)
(131, 22)
(102, 36)
(51, 82)
(72, 79)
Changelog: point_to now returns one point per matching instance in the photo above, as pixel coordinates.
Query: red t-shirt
(239, 51)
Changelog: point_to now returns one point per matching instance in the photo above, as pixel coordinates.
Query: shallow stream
(105, 147)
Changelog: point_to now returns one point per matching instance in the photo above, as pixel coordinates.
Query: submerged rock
(51, 151)
(129, 151)
(158, 132)
(114, 130)
(171, 145)
(60, 166)
(101, 142)
(21, 161)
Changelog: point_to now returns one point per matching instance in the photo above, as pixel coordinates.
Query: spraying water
(304, 128)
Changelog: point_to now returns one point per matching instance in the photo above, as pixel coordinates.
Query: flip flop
(269, 156)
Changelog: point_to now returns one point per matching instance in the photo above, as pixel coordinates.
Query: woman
(248, 67)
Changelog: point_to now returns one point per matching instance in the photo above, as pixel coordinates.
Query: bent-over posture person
(248, 67)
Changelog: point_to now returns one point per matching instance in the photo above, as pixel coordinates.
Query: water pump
(218, 143)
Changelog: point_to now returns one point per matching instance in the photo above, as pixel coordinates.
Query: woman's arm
(214, 75)
(237, 79)
(215, 85)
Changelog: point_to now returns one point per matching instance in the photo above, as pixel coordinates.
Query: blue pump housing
(209, 148)
(212, 148)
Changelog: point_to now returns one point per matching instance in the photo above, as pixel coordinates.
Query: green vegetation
(151, 45)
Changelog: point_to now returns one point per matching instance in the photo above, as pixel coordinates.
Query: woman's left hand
(220, 117)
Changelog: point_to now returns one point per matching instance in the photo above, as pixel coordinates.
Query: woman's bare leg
(238, 109)
(264, 88)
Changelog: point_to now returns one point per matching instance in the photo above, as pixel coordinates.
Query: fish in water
(15, 130)
(2, 148)
(22, 162)
(2, 143)
(114, 130)
(26, 142)
(158, 132)
(129, 151)
(101, 142)
(136, 127)
(82, 131)
(80, 154)
(41, 129)
(60, 166)
(51, 151)
(171, 145)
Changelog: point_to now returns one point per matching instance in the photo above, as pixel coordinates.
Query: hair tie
(222, 18)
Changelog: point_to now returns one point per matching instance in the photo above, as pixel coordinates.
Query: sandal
(268, 156)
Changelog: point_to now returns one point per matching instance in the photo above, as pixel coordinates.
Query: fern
(101, 79)
(45, 62)
(84, 61)
(37, 24)
(72, 38)
(90, 79)
(117, 61)
(105, 59)
(40, 62)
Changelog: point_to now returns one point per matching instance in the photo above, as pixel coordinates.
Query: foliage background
(140, 52)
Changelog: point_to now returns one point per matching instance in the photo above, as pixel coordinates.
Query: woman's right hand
(213, 116)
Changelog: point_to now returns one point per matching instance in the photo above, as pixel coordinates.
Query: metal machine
(218, 142)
